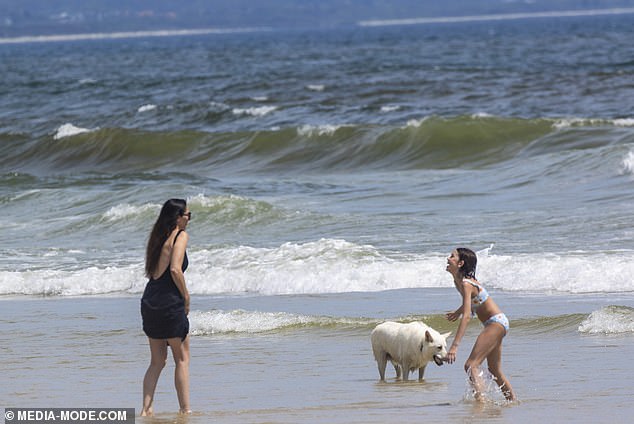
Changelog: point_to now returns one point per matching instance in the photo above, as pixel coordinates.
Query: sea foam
(88, 281)
(609, 320)
(254, 111)
(626, 122)
(389, 108)
(564, 123)
(69, 130)
(322, 266)
(125, 211)
(241, 321)
(415, 123)
(316, 87)
(319, 130)
(146, 108)
(335, 266)
(575, 272)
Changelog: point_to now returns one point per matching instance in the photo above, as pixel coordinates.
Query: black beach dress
(163, 307)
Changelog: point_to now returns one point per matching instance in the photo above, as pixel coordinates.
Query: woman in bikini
(476, 301)
(165, 302)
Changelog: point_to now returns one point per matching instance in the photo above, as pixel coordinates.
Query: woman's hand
(451, 355)
(453, 316)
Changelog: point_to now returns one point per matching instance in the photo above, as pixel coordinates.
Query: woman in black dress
(165, 302)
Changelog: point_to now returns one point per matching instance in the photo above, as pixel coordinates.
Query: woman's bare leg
(489, 339)
(494, 361)
(180, 351)
(158, 350)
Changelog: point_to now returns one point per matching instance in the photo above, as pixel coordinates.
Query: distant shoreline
(498, 17)
(363, 23)
(125, 35)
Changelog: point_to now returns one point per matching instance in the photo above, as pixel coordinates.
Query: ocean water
(329, 173)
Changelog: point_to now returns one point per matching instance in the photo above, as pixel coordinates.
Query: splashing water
(491, 392)
(627, 166)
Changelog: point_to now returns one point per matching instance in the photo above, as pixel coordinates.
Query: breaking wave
(432, 142)
(328, 266)
(609, 320)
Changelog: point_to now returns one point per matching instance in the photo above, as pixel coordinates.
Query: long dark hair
(468, 256)
(163, 227)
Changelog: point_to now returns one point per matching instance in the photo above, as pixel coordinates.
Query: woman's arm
(176, 267)
(462, 328)
(453, 316)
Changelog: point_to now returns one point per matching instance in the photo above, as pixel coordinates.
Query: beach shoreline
(90, 351)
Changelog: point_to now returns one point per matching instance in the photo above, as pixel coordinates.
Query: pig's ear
(428, 337)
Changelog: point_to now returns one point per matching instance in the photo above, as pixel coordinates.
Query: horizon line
(497, 17)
